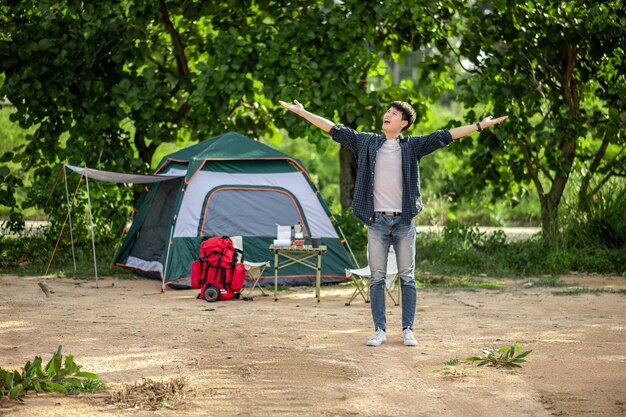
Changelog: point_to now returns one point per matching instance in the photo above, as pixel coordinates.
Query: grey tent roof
(119, 177)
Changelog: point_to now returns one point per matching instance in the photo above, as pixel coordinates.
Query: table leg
(275, 275)
(318, 276)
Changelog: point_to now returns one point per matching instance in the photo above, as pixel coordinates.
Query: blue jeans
(385, 231)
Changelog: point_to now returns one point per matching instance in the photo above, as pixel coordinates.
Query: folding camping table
(285, 256)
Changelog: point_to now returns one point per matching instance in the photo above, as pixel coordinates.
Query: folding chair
(254, 270)
(361, 279)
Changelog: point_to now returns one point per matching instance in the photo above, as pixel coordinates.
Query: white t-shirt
(388, 178)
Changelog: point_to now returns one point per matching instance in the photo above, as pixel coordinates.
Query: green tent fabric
(229, 185)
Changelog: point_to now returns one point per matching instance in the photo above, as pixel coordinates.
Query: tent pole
(63, 227)
(124, 232)
(93, 240)
(168, 244)
(347, 243)
(69, 214)
(167, 255)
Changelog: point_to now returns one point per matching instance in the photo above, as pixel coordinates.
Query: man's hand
(316, 120)
(297, 107)
(490, 121)
(459, 132)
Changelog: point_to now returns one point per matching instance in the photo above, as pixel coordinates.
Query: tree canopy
(559, 70)
(105, 84)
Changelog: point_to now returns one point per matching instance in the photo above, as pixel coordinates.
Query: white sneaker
(378, 338)
(409, 339)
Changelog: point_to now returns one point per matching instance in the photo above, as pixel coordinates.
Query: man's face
(392, 121)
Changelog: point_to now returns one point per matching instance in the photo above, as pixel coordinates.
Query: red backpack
(220, 272)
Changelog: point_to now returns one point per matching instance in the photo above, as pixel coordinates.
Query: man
(387, 198)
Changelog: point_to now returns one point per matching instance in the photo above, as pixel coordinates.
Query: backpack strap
(205, 272)
(223, 277)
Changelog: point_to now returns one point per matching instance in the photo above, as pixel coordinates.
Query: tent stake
(69, 214)
(93, 240)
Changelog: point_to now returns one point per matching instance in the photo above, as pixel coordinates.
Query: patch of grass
(454, 373)
(546, 281)
(585, 290)
(452, 362)
(451, 369)
(458, 282)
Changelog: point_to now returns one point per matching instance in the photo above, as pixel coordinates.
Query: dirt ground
(295, 357)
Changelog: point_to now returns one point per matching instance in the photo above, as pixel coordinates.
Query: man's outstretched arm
(461, 131)
(314, 119)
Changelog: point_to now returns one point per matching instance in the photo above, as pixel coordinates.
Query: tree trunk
(549, 220)
(550, 210)
(347, 177)
(146, 152)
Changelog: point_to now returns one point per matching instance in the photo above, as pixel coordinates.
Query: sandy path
(297, 357)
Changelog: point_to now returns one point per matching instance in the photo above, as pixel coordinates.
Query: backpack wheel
(211, 293)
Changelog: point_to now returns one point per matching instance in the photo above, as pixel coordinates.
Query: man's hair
(408, 113)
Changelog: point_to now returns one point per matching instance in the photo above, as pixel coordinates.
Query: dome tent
(229, 185)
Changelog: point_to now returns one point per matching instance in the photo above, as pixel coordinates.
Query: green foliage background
(115, 85)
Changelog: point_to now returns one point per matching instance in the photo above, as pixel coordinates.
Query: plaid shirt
(365, 147)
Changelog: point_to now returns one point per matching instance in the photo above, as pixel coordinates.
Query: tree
(78, 74)
(104, 84)
(559, 70)
(325, 54)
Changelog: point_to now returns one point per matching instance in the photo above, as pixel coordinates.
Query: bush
(523, 256)
(460, 249)
(601, 224)
(18, 252)
(30, 255)
(608, 217)
(559, 261)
